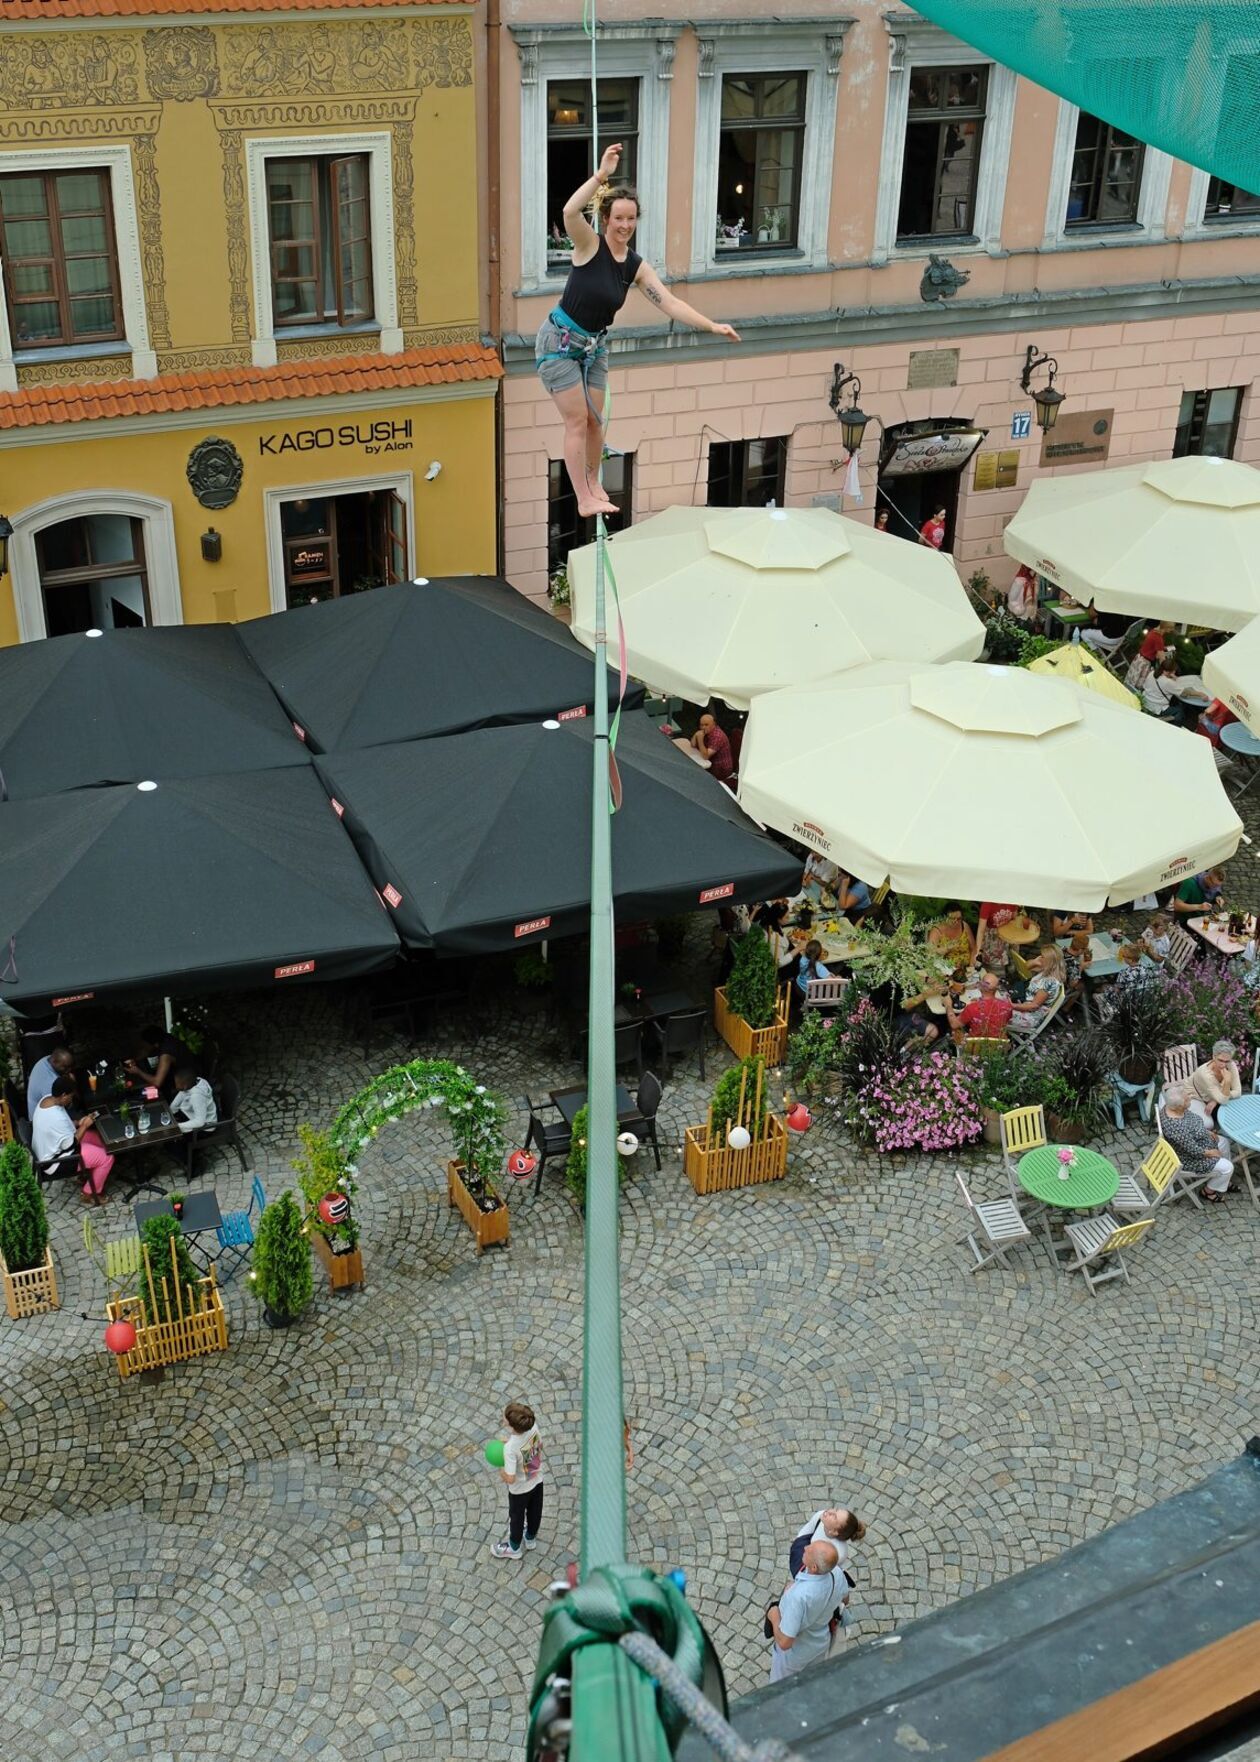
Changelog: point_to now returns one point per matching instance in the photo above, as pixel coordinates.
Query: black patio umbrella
(405, 662)
(117, 706)
(481, 841)
(197, 884)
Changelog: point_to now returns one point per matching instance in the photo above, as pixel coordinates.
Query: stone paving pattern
(282, 1552)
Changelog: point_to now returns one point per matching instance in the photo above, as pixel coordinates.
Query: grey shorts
(559, 375)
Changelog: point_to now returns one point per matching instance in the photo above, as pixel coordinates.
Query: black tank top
(596, 291)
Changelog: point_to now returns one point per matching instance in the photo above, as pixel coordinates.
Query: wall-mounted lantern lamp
(6, 533)
(1047, 398)
(852, 420)
(211, 546)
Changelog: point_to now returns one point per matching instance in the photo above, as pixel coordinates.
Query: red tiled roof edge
(31, 9)
(37, 405)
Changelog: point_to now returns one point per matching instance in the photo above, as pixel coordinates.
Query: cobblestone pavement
(282, 1552)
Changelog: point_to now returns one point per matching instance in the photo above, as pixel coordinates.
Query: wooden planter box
(745, 1042)
(489, 1227)
(31, 1292)
(190, 1332)
(713, 1167)
(344, 1270)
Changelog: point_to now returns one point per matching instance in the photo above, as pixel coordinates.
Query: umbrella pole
(603, 1504)
(170, 1015)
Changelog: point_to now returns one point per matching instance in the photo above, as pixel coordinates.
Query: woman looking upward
(571, 349)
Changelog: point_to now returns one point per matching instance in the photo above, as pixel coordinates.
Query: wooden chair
(118, 1259)
(998, 1221)
(1026, 1040)
(1177, 1065)
(982, 1046)
(824, 994)
(1023, 967)
(1161, 1164)
(1182, 949)
(1020, 1130)
(1098, 1239)
(6, 1122)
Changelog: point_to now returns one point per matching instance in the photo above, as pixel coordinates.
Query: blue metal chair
(236, 1233)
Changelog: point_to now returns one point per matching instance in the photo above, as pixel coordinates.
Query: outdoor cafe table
(112, 1129)
(1091, 1182)
(1067, 617)
(837, 945)
(1215, 932)
(654, 1006)
(1105, 965)
(200, 1213)
(1020, 931)
(1240, 740)
(1240, 1122)
(572, 1101)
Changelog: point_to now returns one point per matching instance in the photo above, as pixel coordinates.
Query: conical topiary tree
(752, 989)
(281, 1272)
(23, 1220)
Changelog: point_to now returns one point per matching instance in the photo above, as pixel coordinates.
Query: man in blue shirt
(801, 1619)
(57, 1064)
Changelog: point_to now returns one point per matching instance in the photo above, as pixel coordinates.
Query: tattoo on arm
(652, 293)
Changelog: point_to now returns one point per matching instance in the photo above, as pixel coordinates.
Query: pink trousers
(96, 1160)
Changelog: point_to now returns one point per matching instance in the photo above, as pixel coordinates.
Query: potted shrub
(177, 1313)
(811, 1051)
(740, 1105)
(1142, 1024)
(532, 973)
(281, 1264)
(1074, 1080)
(326, 1179)
(1004, 1080)
(750, 1011)
(30, 1284)
(476, 1119)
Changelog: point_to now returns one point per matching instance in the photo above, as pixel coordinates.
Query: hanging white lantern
(739, 1137)
(627, 1143)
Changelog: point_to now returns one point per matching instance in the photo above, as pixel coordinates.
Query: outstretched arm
(652, 288)
(585, 238)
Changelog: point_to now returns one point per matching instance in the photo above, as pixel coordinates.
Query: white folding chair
(1181, 950)
(1178, 1065)
(1021, 1040)
(1100, 1239)
(824, 994)
(998, 1221)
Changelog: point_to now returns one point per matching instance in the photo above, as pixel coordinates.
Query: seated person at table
(770, 919)
(711, 743)
(1153, 645)
(1158, 695)
(1199, 893)
(1045, 989)
(1157, 938)
(54, 1135)
(1076, 957)
(1068, 923)
(952, 939)
(810, 967)
(58, 1063)
(1201, 1151)
(988, 1016)
(1217, 1080)
(851, 895)
(1107, 630)
(161, 1055)
(193, 1105)
(821, 873)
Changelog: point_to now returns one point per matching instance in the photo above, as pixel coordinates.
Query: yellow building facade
(241, 364)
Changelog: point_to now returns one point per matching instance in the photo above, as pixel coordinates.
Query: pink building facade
(798, 175)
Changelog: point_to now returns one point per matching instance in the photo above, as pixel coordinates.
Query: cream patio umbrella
(1178, 538)
(1077, 663)
(729, 602)
(1232, 673)
(981, 782)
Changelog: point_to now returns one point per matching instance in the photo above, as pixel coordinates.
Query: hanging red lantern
(521, 1165)
(799, 1118)
(120, 1337)
(334, 1208)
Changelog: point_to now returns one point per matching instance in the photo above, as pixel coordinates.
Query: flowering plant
(1210, 1003)
(1066, 1158)
(927, 1103)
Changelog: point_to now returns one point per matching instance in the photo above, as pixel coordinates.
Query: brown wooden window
(1228, 201)
(60, 259)
(761, 142)
(747, 474)
(570, 129)
(941, 167)
(566, 528)
(93, 574)
(1106, 175)
(1208, 423)
(320, 222)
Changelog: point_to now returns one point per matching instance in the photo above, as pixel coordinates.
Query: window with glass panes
(60, 261)
(319, 218)
(93, 574)
(1106, 175)
(747, 474)
(760, 145)
(570, 144)
(941, 164)
(1208, 423)
(566, 528)
(1226, 200)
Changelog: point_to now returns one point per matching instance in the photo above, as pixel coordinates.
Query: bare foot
(591, 506)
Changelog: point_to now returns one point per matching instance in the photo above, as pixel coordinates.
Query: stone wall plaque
(932, 368)
(215, 469)
(996, 470)
(1083, 438)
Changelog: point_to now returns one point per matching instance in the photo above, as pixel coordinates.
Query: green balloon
(494, 1452)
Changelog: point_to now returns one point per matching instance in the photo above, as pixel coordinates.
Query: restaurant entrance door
(920, 468)
(334, 545)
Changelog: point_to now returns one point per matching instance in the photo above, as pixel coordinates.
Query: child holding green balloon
(518, 1458)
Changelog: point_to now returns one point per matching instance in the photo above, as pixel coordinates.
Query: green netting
(1184, 77)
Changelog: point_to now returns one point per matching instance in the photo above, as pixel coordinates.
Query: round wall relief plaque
(215, 469)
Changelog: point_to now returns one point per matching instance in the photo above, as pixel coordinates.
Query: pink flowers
(925, 1104)
(1067, 1157)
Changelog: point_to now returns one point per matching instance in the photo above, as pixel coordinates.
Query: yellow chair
(118, 1259)
(1159, 1168)
(981, 1046)
(1024, 968)
(6, 1123)
(1022, 1129)
(1101, 1239)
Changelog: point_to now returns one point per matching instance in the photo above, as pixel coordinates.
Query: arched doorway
(94, 561)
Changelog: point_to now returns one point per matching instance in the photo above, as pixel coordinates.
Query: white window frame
(402, 483)
(1198, 226)
(161, 560)
(116, 161)
(565, 53)
(913, 42)
(1152, 207)
(810, 46)
(378, 149)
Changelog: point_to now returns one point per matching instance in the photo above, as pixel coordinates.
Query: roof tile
(36, 405)
(29, 9)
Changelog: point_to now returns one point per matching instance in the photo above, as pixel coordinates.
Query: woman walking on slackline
(571, 350)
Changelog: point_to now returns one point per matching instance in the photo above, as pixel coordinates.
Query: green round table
(1092, 1181)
